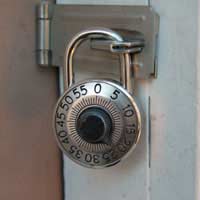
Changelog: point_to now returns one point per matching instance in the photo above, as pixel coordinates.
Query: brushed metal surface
(130, 21)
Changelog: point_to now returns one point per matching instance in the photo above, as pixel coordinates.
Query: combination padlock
(97, 122)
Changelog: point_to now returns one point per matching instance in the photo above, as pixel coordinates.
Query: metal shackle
(92, 33)
(97, 122)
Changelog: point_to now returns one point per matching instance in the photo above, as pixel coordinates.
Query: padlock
(97, 122)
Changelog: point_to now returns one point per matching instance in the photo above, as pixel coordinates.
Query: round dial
(97, 123)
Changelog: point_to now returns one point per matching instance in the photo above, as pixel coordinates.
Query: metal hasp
(57, 24)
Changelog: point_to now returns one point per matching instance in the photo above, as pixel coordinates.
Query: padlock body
(97, 123)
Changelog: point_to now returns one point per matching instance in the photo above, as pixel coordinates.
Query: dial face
(97, 123)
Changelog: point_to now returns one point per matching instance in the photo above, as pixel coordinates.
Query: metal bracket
(56, 25)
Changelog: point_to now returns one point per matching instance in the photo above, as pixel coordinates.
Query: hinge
(43, 46)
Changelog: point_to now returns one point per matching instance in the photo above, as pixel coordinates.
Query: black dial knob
(94, 125)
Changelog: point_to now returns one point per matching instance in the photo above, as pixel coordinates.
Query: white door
(165, 164)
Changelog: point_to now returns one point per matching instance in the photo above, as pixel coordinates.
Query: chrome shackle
(118, 45)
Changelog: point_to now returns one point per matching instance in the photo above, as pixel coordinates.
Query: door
(166, 162)
(30, 164)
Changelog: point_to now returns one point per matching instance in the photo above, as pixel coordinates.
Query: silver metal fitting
(43, 45)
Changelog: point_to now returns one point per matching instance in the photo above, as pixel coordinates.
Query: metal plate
(59, 23)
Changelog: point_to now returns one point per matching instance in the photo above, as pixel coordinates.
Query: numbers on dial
(62, 134)
(64, 106)
(77, 152)
(65, 140)
(83, 90)
(97, 88)
(128, 111)
(76, 93)
(60, 123)
(112, 99)
(130, 130)
(60, 118)
(89, 158)
(79, 91)
(115, 95)
(69, 99)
